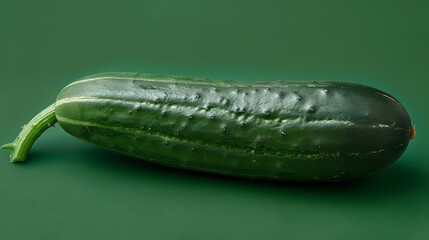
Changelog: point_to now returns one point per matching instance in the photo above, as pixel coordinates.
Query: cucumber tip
(413, 132)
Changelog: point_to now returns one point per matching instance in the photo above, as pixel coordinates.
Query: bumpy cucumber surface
(277, 130)
(296, 131)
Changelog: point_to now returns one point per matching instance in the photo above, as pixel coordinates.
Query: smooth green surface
(71, 190)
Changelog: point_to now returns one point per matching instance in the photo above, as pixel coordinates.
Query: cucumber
(294, 131)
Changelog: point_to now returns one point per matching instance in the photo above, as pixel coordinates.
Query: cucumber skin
(295, 131)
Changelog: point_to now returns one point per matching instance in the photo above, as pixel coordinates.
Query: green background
(72, 190)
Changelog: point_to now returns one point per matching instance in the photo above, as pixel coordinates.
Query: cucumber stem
(29, 133)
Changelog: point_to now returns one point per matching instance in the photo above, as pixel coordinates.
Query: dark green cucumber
(298, 131)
